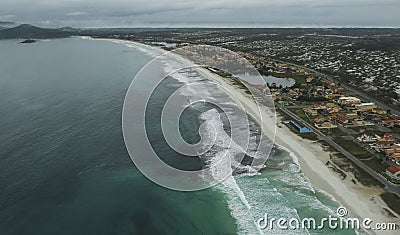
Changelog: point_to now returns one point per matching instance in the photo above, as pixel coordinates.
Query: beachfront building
(393, 172)
(301, 130)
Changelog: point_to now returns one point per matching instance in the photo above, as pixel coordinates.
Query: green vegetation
(223, 73)
(238, 83)
(309, 136)
(353, 148)
(300, 113)
(392, 200)
(348, 166)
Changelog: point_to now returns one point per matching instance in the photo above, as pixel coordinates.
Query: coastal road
(299, 106)
(390, 187)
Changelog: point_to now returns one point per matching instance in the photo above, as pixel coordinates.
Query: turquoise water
(64, 168)
(63, 164)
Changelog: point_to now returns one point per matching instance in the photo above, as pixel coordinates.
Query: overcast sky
(203, 13)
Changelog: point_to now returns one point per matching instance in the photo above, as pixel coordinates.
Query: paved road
(299, 106)
(389, 186)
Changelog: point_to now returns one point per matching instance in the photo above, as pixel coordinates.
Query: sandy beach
(360, 201)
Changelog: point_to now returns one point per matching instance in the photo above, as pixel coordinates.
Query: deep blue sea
(64, 168)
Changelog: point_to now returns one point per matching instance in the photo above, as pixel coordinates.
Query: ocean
(64, 167)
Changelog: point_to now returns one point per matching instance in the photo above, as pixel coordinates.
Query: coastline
(361, 201)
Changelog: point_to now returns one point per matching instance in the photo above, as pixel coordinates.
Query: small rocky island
(28, 41)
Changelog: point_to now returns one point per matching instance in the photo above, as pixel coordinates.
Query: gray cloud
(225, 13)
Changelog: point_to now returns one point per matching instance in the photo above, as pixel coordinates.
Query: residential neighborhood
(340, 114)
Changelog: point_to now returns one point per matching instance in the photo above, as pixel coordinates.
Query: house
(310, 112)
(335, 89)
(352, 116)
(331, 105)
(393, 172)
(334, 109)
(364, 138)
(390, 122)
(366, 106)
(349, 100)
(330, 83)
(380, 148)
(332, 96)
(361, 122)
(319, 106)
(386, 139)
(342, 118)
(282, 65)
(392, 150)
(394, 116)
(332, 116)
(320, 119)
(325, 125)
(309, 79)
(380, 111)
(395, 156)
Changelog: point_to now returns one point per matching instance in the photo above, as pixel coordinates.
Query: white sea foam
(249, 194)
(237, 201)
(292, 155)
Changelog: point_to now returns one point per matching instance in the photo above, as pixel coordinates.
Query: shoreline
(361, 201)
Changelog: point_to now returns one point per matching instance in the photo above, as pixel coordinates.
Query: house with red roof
(393, 172)
(342, 118)
(386, 140)
(319, 106)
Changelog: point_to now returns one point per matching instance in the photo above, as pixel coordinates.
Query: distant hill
(30, 31)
